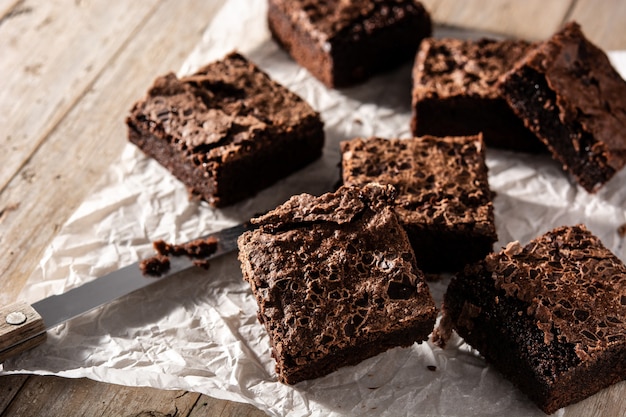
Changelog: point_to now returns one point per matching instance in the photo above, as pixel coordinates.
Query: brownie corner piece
(343, 43)
(227, 131)
(444, 201)
(567, 92)
(335, 280)
(550, 315)
(455, 92)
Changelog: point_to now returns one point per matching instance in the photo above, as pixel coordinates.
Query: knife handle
(21, 329)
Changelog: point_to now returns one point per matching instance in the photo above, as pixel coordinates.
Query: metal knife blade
(23, 327)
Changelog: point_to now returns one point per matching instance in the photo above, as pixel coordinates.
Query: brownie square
(444, 201)
(226, 131)
(566, 91)
(335, 280)
(550, 316)
(343, 43)
(455, 92)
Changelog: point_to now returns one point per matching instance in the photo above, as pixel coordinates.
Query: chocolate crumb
(155, 266)
(202, 263)
(621, 231)
(198, 248)
(431, 368)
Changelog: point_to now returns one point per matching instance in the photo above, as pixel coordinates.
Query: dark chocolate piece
(335, 280)
(567, 92)
(155, 266)
(197, 248)
(343, 43)
(455, 92)
(227, 131)
(550, 316)
(444, 201)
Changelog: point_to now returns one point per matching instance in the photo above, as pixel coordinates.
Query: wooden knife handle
(21, 329)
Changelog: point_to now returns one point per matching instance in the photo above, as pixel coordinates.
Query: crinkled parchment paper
(198, 331)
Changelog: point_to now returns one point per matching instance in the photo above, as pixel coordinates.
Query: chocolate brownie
(226, 131)
(455, 92)
(550, 316)
(566, 91)
(343, 43)
(444, 201)
(335, 280)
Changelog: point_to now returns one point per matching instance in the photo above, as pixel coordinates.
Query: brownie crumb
(202, 263)
(155, 266)
(431, 368)
(621, 230)
(197, 249)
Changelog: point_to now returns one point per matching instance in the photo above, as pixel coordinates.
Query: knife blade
(24, 326)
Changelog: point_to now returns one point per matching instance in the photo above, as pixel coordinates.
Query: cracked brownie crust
(226, 131)
(551, 316)
(444, 201)
(335, 280)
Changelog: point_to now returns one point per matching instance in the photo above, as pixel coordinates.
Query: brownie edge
(227, 131)
(567, 92)
(550, 316)
(335, 281)
(455, 92)
(343, 43)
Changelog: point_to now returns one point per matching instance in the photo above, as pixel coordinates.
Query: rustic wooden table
(68, 74)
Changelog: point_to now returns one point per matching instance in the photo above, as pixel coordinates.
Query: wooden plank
(506, 17)
(51, 52)
(608, 402)
(72, 158)
(10, 386)
(208, 406)
(87, 398)
(602, 22)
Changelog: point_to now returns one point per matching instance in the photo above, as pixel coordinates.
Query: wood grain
(528, 19)
(9, 388)
(610, 402)
(207, 406)
(87, 35)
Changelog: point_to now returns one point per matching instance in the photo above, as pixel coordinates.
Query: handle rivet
(16, 318)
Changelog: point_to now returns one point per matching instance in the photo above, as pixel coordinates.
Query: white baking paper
(199, 331)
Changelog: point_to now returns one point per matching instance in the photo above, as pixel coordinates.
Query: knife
(24, 326)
